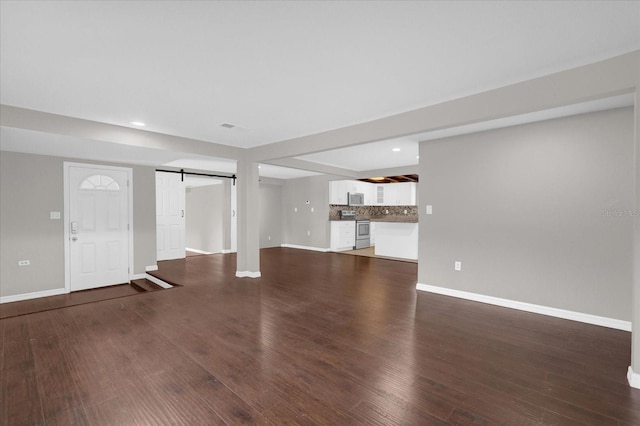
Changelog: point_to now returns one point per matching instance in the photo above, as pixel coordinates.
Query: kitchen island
(396, 238)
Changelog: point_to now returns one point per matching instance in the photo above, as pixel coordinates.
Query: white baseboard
(226, 251)
(294, 246)
(151, 268)
(634, 378)
(198, 251)
(34, 295)
(137, 277)
(529, 307)
(157, 281)
(248, 274)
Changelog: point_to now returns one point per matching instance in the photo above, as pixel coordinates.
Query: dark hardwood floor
(321, 338)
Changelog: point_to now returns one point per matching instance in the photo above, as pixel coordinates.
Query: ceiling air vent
(227, 125)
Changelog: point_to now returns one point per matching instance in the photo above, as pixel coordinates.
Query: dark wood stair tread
(144, 284)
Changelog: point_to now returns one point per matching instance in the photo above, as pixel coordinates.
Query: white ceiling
(280, 70)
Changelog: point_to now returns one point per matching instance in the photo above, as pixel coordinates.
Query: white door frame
(67, 234)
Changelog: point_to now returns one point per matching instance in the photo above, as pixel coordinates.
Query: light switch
(54, 215)
(295, 210)
(429, 209)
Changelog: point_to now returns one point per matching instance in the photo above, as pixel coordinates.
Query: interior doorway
(205, 206)
(195, 214)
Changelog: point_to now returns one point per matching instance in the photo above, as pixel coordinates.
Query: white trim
(137, 277)
(67, 258)
(151, 268)
(294, 246)
(529, 307)
(198, 251)
(157, 281)
(248, 274)
(226, 251)
(34, 295)
(634, 378)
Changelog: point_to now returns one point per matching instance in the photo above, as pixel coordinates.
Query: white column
(634, 370)
(248, 196)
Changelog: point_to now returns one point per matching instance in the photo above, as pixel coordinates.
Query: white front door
(170, 204)
(98, 226)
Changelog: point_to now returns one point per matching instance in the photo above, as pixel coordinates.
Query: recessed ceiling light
(395, 149)
(138, 123)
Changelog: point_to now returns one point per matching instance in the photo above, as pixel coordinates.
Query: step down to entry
(143, 284)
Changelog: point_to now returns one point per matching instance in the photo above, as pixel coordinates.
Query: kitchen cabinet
(343, 235)
(389, 194)
(372, 233)
(398, 194)
(338, 190)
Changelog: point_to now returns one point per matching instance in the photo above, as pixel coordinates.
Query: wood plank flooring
(321, 338)
(61, 301)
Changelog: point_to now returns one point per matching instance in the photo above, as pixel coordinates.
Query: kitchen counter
(398, 219)
(392, 219)
(397, 239)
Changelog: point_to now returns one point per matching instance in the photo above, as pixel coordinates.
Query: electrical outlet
(429, 209)
(24, 263)
(295, 210)
(309, 233)
(457, 266)
(269, 237)
(311, 209)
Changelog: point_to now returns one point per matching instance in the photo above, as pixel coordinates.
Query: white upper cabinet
(399, 194)
(388, 194)
(338, 190)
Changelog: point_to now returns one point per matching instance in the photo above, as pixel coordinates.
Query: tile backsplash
(373, 212)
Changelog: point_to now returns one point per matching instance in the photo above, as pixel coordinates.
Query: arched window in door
(100, 183)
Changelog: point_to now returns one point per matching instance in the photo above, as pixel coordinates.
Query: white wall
(525, 211)
(204, 215)
(270, 215)
(305, 227)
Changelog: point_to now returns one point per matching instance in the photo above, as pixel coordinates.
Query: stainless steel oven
(363, 234)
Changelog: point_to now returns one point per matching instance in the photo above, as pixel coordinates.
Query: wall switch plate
(457, 266)
(54, 215)
(311, 209)
(429, 209)
(24, 263)
(309, 233)
(295, 210)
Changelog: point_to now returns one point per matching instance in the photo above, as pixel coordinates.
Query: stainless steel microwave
(355, 198)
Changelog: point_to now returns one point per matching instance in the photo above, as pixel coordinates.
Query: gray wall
(204, 215)
(295, 193)
(270, 215)
(524, 210)
(30, 187)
